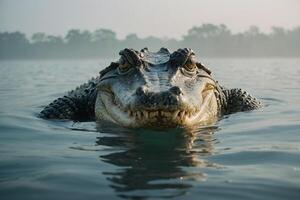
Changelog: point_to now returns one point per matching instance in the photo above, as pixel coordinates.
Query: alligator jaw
(131, 117)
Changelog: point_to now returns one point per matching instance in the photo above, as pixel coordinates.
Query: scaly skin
(146, 89)
(78, 104)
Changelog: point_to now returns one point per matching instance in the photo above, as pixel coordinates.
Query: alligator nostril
(140, 91)
(175, 90)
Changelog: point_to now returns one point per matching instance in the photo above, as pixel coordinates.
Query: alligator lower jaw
(159, 114)
(154, 118)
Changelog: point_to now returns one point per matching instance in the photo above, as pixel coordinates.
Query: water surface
(250, 155)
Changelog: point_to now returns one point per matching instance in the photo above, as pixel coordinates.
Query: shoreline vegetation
(206, 40)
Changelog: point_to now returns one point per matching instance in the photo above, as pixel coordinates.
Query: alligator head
(156, 90)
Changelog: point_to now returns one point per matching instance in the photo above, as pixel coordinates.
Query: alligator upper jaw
(168, 117)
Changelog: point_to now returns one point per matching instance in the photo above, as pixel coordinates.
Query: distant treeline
(206, 40)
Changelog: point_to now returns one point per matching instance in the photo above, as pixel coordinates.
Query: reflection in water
(155, 160)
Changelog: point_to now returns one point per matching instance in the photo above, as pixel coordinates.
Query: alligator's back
(78, 104)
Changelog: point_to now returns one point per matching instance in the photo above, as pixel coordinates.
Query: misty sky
(163, 18)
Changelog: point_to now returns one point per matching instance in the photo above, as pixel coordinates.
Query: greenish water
(250, 155)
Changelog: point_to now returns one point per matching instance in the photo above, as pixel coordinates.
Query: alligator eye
(124, 66)
(190, 64)
(190, 67)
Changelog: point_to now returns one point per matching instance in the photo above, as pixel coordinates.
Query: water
(250, 155)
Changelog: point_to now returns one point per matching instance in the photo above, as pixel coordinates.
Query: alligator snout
(142, 90)
(165, 100)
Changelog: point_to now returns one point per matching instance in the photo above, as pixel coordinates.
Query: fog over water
(206, 40)
(92, 29)
(168, 18)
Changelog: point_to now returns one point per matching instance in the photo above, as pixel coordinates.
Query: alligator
(152, 89)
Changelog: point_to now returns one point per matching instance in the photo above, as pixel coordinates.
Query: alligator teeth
(145, 114)
(182, 114)
(168, 114)
(142, 114)
(187, 114)
(174, 115)
(139, 114)
(152, 114)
